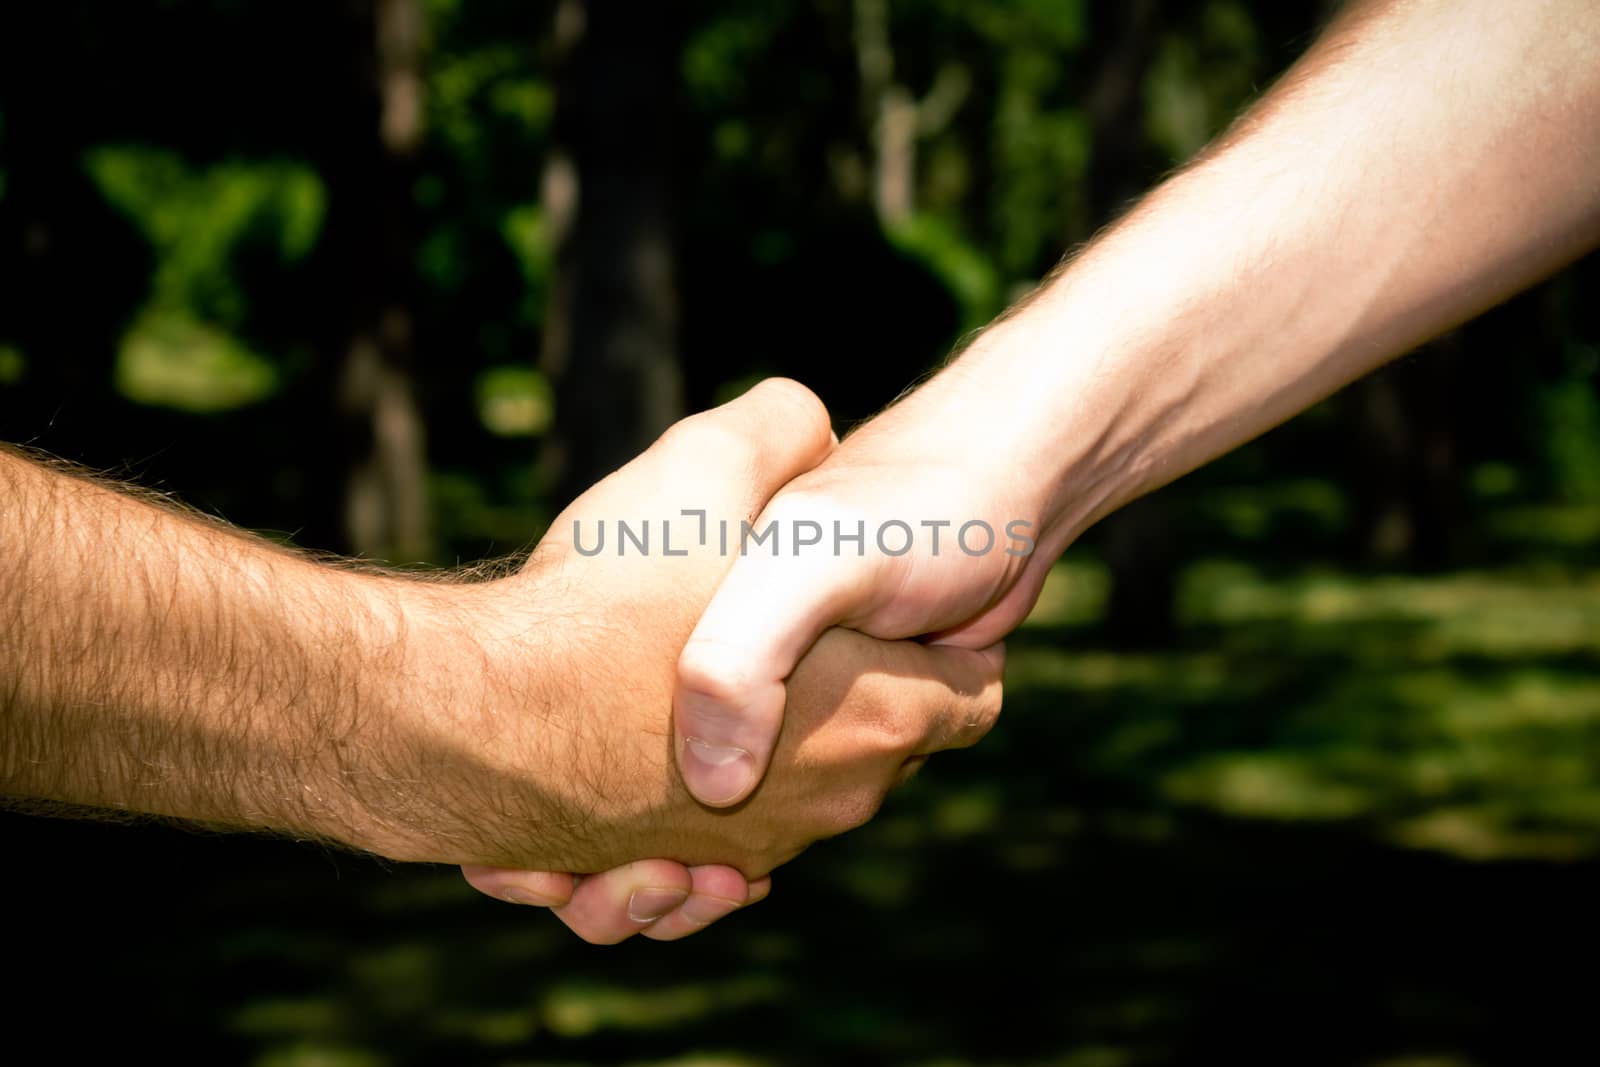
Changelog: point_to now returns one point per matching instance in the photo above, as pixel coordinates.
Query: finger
(754, 444)
(540, 889)
(728, 704)
(977, 677)
(613, 906)
(715, 469)
(717, 893)
(955, 693)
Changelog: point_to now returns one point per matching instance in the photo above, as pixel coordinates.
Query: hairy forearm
(157, 662)
(1425, 160)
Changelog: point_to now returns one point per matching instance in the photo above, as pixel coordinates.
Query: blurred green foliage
(1571, 420)
(514, 401)
(775, 145)
(12, 365)
(182, 350)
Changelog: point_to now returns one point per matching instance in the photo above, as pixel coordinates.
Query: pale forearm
(155, 662)
(1425, 160)
(1428, 158)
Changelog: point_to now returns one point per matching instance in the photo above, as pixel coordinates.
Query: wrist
(1027, 408)
(455, 767)
(1086, 394)
(416, 675)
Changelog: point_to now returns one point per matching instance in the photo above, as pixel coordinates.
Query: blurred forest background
(1301, 761)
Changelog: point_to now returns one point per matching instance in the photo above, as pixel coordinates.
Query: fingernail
(514, 895)
(648, 905)
(717, 773)
(703, 910)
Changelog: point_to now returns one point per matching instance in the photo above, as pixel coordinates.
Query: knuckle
(855, 810)
(974, 718)
(709, 434)
(787, 407)
(585, 931)
(711, 669)
(804, 409)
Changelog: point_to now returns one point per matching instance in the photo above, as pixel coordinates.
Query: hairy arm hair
(155, 661)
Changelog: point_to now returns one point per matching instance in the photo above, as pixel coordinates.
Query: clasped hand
(574, 727)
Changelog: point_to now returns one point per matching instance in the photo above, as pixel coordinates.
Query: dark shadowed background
(1301, 757)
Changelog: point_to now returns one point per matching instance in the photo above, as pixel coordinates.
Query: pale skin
(1423, 161)
(158, 663)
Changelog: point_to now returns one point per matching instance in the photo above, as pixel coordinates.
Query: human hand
(572, 726)
(971, 574)
(614, 905)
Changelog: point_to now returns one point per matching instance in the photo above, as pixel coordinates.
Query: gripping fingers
(734, 458)
(728, 707)
(971, 705)
(659, 898)
(540, 889)
(613, 906)
(718, 892)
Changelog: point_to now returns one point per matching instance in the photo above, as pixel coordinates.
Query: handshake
(702, 669)
(678, 689)
(738, 643)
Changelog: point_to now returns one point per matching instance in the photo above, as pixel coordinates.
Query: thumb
(771, 607)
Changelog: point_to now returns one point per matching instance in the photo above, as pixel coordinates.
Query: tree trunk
(381, 463)
(1138, 541)
(1405, 480)
(896, 119)
(610, 342)
(890, 113)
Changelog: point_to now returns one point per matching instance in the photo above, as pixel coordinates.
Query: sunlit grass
(316, 1055)
(289, 1016)
(1270, 785)
(1565, 525)
(574, 1009)
(1073, 594)
(1458, 713)
(1248, 512)
(1502, 614)
(1091, 1056)
(491, 1028)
